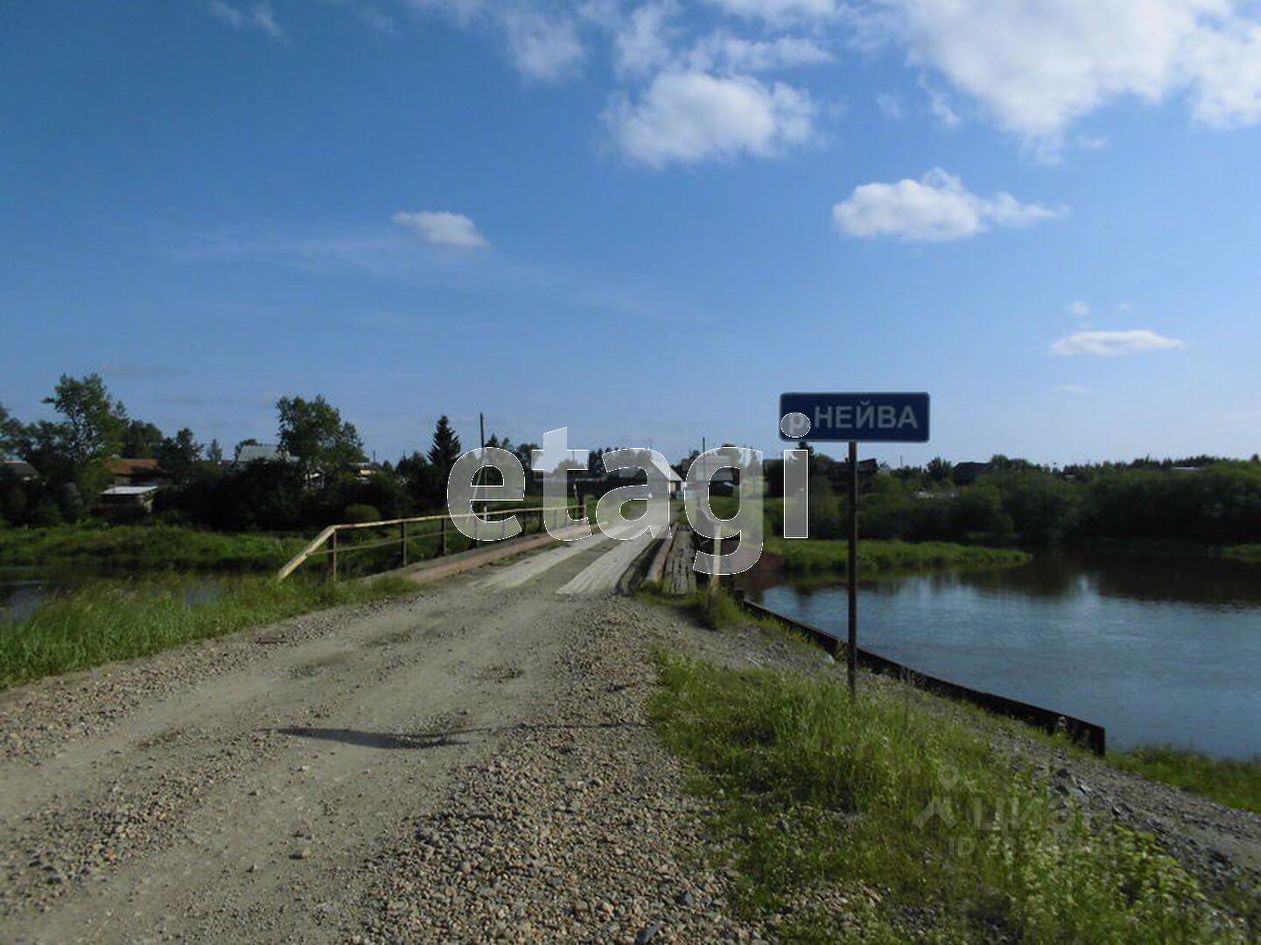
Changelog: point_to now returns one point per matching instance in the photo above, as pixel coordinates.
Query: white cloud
(721, 51)
(1078, 309)
(687, 117)
(780, 11)
(1111, 343)
(1037, 66)
(541, 47)
(1075, 389)
(439, 228)
(642, 43)
(935, 208)
(258, 17)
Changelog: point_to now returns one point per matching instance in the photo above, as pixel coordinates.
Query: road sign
(879, 418)
(858, 418)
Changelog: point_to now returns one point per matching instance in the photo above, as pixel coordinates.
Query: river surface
(1158, 649)
(23, 590)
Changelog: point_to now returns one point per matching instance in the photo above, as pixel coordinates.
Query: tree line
(318, 476)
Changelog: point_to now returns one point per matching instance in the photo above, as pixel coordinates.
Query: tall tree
(314, 432)
(214, 452)
(178, 455)
(445, 449)
(10, 433)
(74, 451)
(141, 440)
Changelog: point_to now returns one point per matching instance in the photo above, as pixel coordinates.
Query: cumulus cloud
(440, 228)
(642, 42)
(1078, 309)
(1036, 67)
(935, 208)
(688, 117)
(1112, 343)
(258, 17)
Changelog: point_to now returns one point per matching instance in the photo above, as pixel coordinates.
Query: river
(1158, 649)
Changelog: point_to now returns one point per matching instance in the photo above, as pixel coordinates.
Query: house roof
(120, 466)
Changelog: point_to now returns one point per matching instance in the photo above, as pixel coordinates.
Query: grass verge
(1250, 553)
(1234, 783)
(874, 821)
(877, 556)
(143, 548)
(106, 621)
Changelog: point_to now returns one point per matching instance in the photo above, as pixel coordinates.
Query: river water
(1158, 649)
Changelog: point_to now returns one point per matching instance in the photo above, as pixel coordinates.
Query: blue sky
(642, 220)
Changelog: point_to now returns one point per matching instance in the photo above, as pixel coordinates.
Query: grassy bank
(143, 548)
(909, 826)
(1251, 553)
(101, 622)
(877, 557)
(1235, 783)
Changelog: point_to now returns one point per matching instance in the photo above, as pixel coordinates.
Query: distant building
(137, 472)
(262, 453)
(21, 469)
(965, 474)
(126, 501)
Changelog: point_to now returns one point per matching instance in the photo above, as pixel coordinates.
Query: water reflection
(1156, 648)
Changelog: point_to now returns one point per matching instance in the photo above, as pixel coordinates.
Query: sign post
(880, 418)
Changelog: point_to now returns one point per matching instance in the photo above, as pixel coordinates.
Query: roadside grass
(105, 621)
(911, 825)
(1234, 783)
(1250, 553)
(881, 557)
(143, 548)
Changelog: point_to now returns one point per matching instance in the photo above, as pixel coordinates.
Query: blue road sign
(861, 418)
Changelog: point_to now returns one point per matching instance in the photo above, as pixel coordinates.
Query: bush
(360, 514)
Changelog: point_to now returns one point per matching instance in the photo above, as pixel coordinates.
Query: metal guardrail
(326, 545)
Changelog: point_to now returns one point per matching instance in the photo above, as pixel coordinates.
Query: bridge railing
(417, 538)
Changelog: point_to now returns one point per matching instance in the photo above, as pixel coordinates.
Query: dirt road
(268, 787)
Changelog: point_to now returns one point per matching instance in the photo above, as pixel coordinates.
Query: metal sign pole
(852, 650)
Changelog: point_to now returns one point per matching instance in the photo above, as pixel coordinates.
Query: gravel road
(470, 764)
(467, 764)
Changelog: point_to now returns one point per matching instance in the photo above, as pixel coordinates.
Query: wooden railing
(326, 544)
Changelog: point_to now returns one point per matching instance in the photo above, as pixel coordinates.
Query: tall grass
(1250, 553)
(878, 556)
(1235, 783)
(926, 833)
(143, 548)
(106, 621)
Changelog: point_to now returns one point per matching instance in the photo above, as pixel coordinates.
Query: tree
(940, 470)
(178, 455)
(141, 440)
(214, 452)
(314, 432)
(445, 449)
(10, 433)
(93, 424)
(72, 454)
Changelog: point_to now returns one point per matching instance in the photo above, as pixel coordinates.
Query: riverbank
(105, 621)
(139, 548)
(897, 817)
(885, 557)
(1228, 781)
